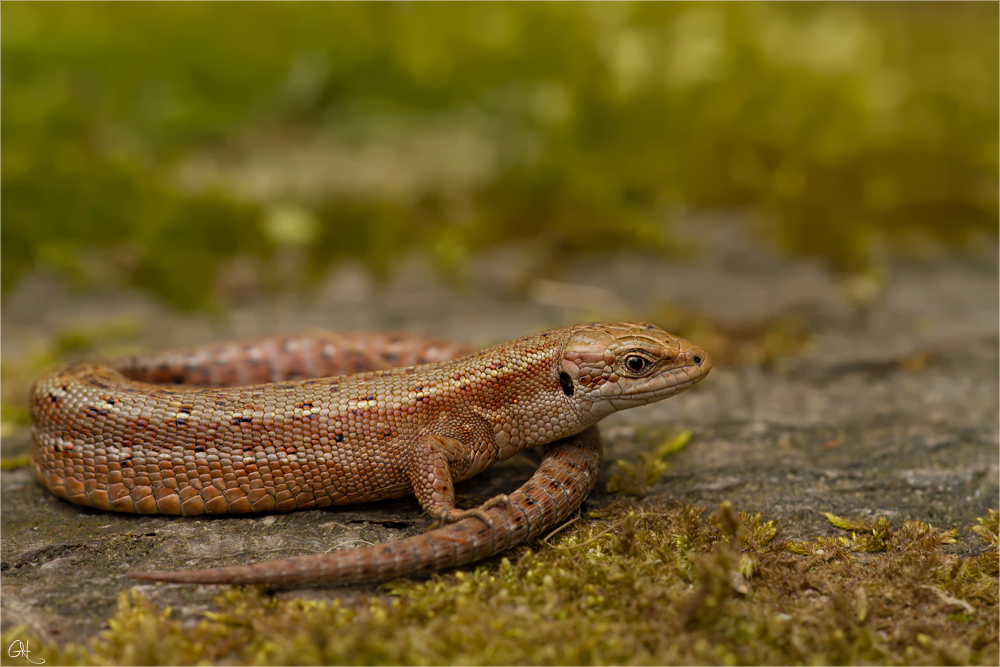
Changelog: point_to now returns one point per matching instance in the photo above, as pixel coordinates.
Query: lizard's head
(616, 366)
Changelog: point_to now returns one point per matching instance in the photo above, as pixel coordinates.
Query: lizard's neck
(521, 393)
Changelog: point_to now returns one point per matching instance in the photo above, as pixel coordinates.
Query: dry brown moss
(634, 584)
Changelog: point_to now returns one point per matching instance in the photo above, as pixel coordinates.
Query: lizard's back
(113, 436)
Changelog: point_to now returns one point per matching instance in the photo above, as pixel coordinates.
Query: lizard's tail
(566, 476)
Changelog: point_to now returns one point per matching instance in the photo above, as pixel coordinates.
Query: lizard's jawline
(602, 407)
(666, 392)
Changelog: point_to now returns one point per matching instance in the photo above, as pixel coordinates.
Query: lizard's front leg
(433, 460)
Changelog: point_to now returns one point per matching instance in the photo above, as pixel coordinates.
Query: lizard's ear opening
(566, 382)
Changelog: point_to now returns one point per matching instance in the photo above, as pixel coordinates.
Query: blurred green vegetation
(839, 124)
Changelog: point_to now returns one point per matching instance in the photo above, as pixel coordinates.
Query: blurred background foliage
(184, 145)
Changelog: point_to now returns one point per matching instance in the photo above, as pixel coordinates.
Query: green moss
(988, 527)
(15, 462)
(635, 584)
(635, 478)
(841, 124)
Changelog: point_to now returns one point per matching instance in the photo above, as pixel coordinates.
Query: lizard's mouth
(667, 383)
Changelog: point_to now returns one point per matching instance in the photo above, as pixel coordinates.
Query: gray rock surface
(845, 426)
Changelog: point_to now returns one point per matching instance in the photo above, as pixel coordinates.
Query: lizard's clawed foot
(451, 516)
(496, 501)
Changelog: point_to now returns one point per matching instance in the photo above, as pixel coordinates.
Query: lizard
(278, 425)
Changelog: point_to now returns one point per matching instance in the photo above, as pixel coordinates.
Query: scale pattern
(566, 476)
(279, 424)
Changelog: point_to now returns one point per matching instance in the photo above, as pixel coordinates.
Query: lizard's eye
(635, 363)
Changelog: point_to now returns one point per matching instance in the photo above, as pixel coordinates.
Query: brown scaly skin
(105, 436)
(565, 477)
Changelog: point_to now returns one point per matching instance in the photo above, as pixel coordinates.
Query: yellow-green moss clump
(644, 584)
